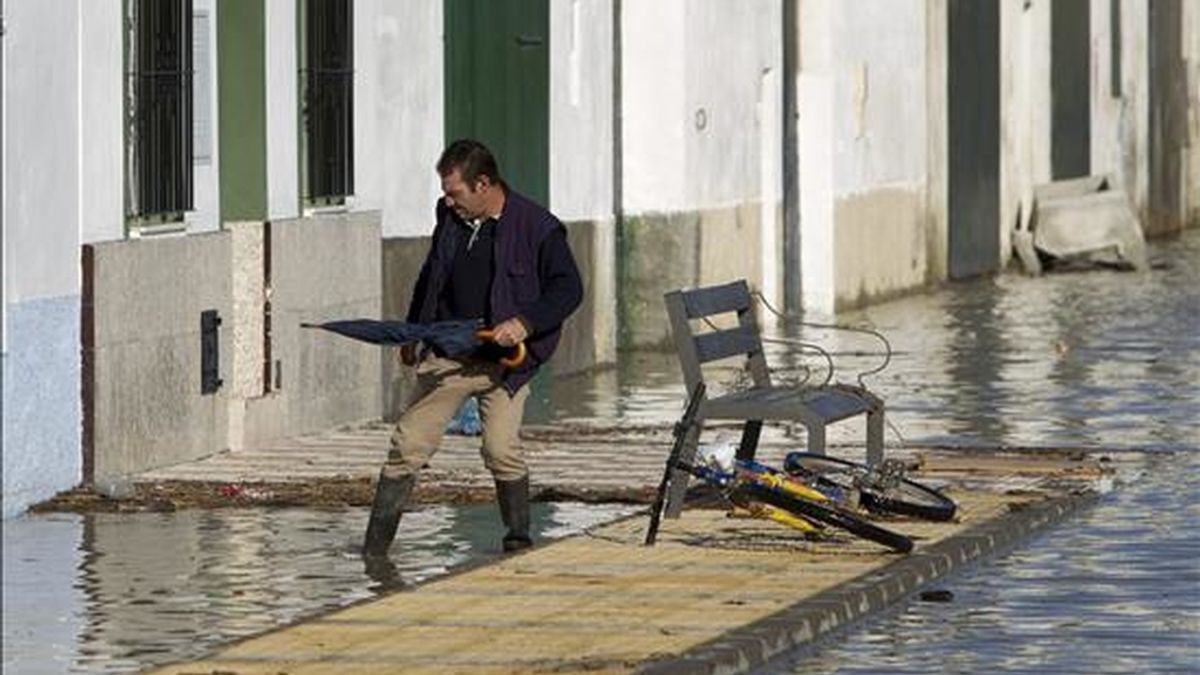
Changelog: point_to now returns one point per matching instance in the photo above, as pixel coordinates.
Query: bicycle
(766, 492)
(883, 489)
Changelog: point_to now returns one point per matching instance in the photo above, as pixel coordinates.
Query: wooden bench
(813, 406)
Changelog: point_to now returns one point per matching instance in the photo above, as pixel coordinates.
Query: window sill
(138, 231)
(317, 209)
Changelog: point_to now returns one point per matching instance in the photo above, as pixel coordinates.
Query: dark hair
(472, 159)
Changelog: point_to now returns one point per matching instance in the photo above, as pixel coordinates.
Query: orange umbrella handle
(510, 362)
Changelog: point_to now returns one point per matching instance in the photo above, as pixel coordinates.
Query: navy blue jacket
(534, 277)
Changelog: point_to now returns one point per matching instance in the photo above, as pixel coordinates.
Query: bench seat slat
(717, 345)
(732, 297)
(823, 405)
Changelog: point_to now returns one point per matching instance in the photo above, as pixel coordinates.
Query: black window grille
(159, 109)
(327, 78)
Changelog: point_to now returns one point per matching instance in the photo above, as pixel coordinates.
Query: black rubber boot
(513, 497)
(383, 572)
(391, 495)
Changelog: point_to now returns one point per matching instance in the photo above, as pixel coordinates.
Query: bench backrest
(697, 348)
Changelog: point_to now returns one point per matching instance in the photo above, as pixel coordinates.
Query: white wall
(728, 48)
(581, 134)
(283, 100)
(880, 85)
(937, 140)
(817, 83)
(692, 78)
(1134, 123)
(206, 213)
(102, 146)
(1191, 53)
(1024, 112)
(655, 117)
(769, 114)
(1120, 124)
(368, 184)
(1105, 108)
(399, 112)
(864, 121)
(101, 118)
(41, 149)
(42, 221)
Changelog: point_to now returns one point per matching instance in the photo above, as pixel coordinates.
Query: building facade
(185, 181)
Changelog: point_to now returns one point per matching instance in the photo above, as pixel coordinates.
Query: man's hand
(510, 332)
(408, 353)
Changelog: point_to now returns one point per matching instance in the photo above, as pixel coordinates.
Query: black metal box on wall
(210, 352)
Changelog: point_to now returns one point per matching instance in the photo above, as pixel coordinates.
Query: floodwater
(1090, 359)
(1113, 590)
(1081, 359)
(112, 593)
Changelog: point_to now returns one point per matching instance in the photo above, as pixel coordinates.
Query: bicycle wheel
(901, 496)
(829, 514)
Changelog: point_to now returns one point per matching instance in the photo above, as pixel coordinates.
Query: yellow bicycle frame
(792, 487)
(759, 510)
(798, 490)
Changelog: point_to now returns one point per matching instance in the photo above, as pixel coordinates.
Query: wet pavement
(1089, 360)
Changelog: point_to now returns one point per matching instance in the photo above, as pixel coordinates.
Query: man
(498, 257)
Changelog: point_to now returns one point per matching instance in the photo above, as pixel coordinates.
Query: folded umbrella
(453, 338)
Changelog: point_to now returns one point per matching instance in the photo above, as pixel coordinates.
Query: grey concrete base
(661, 252)
(589, 335)
(805, 622)
(402, 260)
(142, 402)
(322, 267)
(880, 246)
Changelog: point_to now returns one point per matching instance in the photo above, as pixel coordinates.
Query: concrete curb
(803, 623)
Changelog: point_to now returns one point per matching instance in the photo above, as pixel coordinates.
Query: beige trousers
(442, 387)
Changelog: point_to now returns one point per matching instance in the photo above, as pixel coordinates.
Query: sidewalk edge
(808, 620)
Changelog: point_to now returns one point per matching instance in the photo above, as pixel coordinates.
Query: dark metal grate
(328, 81)
(160, 111)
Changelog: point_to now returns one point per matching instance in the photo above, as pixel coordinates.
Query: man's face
(467, 200)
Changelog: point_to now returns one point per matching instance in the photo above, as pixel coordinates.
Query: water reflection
(978, 353)
(1115, 590)
(38, 573)
(151, 588)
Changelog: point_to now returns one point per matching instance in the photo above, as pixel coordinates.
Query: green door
(1070, 89)
(498, 85)
(973, 119)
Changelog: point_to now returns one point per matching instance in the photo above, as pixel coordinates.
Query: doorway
(1168, 110)
(498, 85)
(1070, 89)
(973, 81)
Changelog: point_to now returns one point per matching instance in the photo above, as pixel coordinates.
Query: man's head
(471, 180)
